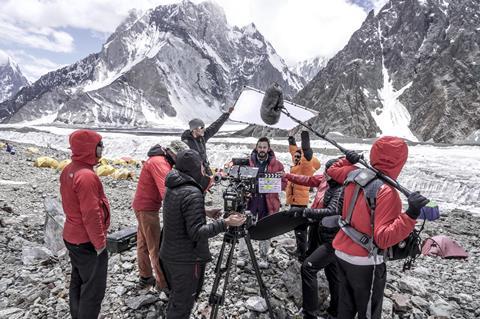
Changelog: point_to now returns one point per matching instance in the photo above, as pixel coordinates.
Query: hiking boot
(146, 282)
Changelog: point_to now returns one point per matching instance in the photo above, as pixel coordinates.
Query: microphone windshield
(272, 104)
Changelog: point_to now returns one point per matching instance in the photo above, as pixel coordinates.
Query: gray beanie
(178, 146)
(196, 123)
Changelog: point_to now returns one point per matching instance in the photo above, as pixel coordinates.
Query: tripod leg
(263, 289)
(215, 300)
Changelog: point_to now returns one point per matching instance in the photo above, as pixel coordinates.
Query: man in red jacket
(87, 220)
(146, 204)
(362, 275)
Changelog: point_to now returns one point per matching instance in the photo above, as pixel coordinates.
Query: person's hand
(99, 251)
(416, 202)
(353, 157)
(291, 140)
(235, 220)
(214, 213)
(296, 211)
(230, 109)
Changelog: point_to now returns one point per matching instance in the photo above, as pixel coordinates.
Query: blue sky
(42, 36)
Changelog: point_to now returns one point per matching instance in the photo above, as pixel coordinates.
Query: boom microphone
(272, 104)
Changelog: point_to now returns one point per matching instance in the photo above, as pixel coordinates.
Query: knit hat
(178, 146)
(196, 123)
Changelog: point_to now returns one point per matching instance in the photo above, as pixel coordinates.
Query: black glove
(291, 140)
(310, 213)
(307, 150)
(305, 140)
(353, 157)
(416, 202)
(296, 211)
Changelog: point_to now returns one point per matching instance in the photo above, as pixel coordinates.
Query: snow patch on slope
(393, 118)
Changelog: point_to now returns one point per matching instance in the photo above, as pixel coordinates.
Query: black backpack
(408, 249)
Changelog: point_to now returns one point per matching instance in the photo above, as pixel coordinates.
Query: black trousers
(301, 238)
(185, 282)
(322, 258)
(313, 238)
(88, 280)
(361, 290)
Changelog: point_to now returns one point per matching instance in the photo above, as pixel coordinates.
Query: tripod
(232, 235)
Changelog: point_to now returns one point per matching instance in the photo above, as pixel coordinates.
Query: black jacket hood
(176, 178)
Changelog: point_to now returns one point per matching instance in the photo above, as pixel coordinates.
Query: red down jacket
(84, 202)
(388, 155)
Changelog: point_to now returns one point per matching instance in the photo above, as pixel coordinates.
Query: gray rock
(257, 304)
(440, 307)
(140, 301)
(401, 302)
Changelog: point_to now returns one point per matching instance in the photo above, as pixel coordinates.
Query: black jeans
(185, 282)
(322, 258)
(361, 286)
(88, 280)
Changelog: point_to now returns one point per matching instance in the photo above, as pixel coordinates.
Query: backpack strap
(366, 180)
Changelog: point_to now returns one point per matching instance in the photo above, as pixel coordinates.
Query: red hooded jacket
(151, 184)
(84, 202)
(388, 155)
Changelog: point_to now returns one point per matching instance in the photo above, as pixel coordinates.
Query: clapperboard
(269, 183)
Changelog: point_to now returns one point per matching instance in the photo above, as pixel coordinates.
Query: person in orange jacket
(304, 163)
(87, 213)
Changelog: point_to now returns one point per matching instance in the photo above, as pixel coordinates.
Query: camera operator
(197, 136)
(260, 204)
(184, 250)
(305, 164)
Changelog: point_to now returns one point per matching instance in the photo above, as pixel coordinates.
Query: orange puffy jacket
(298, 194)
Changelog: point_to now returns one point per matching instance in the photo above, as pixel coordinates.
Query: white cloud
(3, 57)
(31, 66)
(298, 29)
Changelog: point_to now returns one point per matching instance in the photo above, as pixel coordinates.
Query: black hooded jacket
(185, 228)
(199, 144)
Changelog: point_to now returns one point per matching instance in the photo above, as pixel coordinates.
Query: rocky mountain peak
(412, 70)
(11, 78)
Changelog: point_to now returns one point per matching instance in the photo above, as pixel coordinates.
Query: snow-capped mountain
(165, 66)
(11, 78)
(412, 70)
(309, 68)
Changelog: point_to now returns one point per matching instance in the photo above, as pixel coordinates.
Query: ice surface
(448, 175)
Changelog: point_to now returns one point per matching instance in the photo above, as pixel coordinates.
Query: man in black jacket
(197, 136)
(184, 250)
(322, 257)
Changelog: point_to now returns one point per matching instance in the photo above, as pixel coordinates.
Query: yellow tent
(123, 173)
(120, 162)
(45, 161)
(104, 161)
(63, 163)
(105, 170)
(32, 150)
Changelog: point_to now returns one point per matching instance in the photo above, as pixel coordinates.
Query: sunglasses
(200, 127)
(100, 144)
(297, 156)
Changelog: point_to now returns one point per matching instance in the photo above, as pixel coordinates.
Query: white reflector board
(247, 110)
